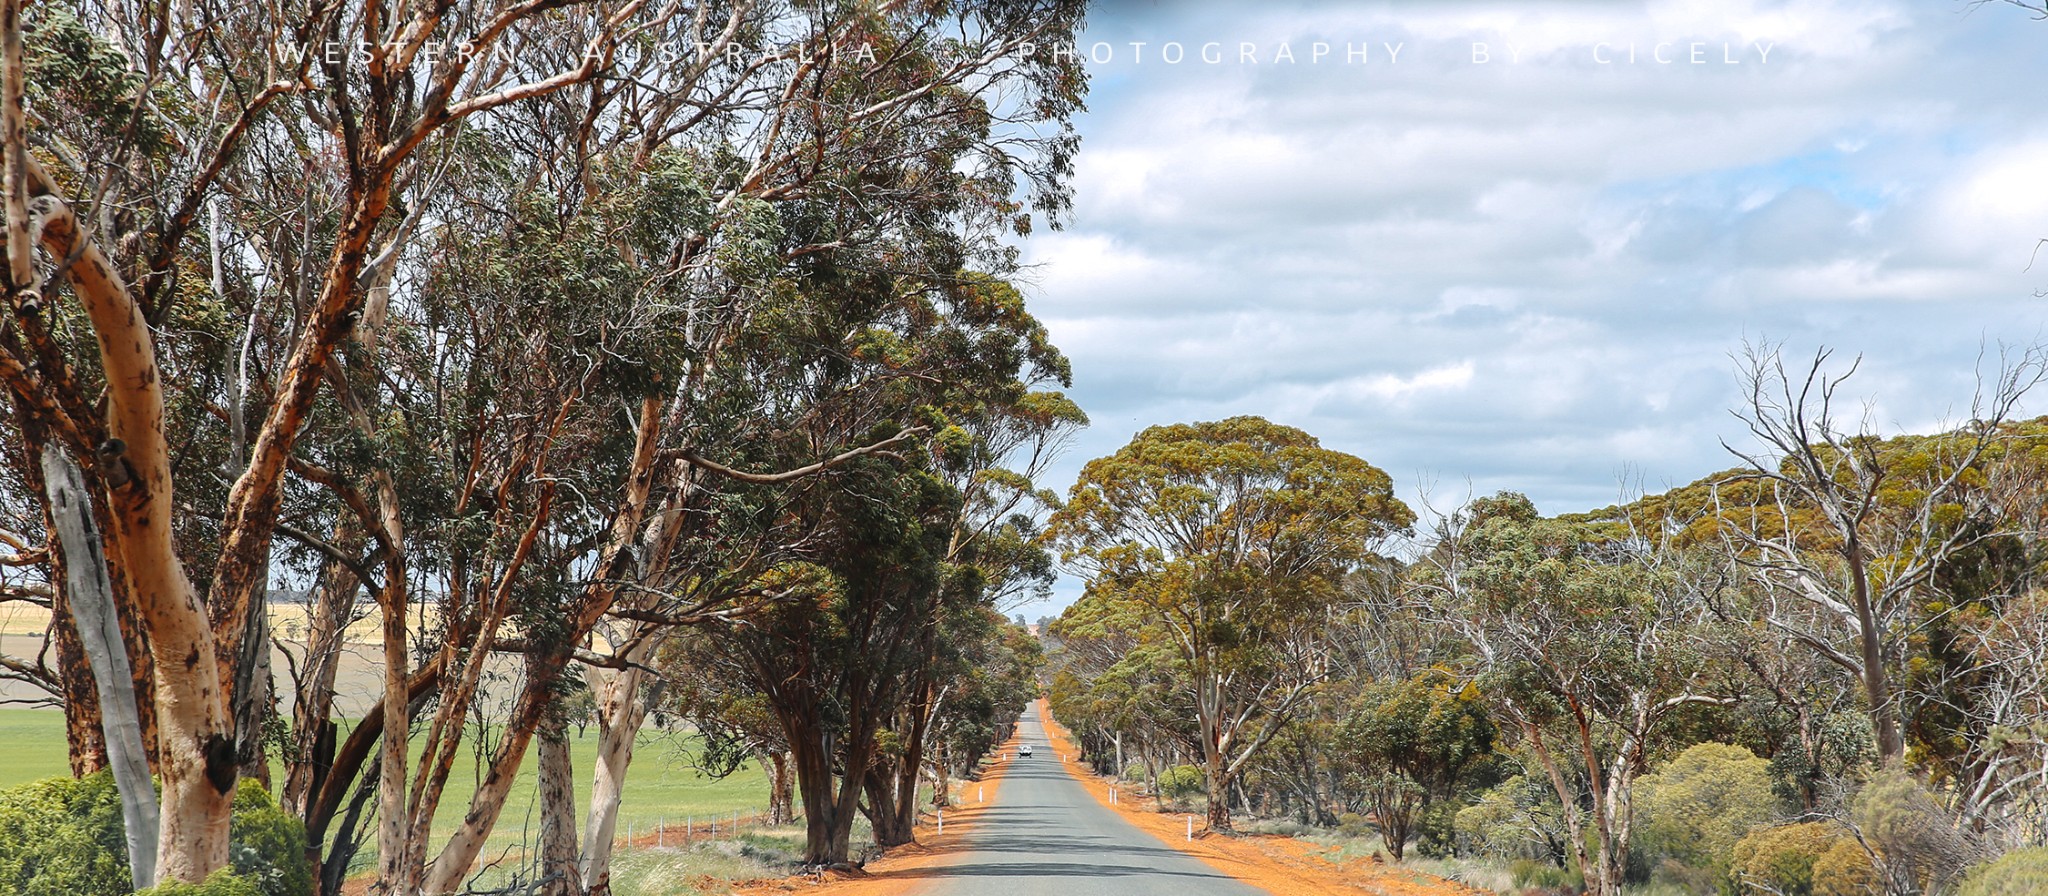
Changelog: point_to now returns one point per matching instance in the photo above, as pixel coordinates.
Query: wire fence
(680, 831)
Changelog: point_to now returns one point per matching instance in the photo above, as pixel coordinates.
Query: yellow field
(288, 621)
(357, 683)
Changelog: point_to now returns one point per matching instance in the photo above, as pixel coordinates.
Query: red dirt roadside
(1276, 864)
(903, 868)
(1279, 865)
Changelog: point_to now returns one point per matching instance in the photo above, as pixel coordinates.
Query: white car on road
(1023, 750)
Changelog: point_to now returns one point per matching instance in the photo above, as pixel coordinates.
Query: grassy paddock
(660, 786)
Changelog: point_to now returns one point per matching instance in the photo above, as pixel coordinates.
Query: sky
(1494, 253)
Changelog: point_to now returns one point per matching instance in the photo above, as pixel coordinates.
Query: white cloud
(1530, 275)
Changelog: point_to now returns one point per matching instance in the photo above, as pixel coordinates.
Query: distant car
(1024, 750)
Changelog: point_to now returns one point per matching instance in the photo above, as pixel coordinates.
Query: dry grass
(358, 680)
(290, 621)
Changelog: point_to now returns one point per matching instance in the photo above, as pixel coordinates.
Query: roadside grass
(707, 867)
(662, 785)
(1487, 874)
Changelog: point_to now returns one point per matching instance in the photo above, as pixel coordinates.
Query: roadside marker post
(1191, 829)
(661, 833)
(942, 821)
(979, 796)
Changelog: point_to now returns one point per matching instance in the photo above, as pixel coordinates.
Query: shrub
(1182, 782)
(2016, 874)
(1352, 824)
(1810, 859)
(1845, 870)
(63, 837)
(221, 883)
(1520, 818)
(1918, 841)
(268, 845)
(1544, 875)
(1700, 804)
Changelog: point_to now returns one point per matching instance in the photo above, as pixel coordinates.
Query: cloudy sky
(1525, 265)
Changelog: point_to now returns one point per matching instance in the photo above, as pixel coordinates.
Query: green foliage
(1529, 873)
(82, 86)
(1411, 745)
(2020, 873)
(63, 837)
(221, 883)
(267, 844)
(1808, 859)
(1917, 840)
(1181, 783)
(1519, 818)
(1701, 803)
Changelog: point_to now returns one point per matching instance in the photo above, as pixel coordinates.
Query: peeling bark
(195, 740)
(558, 872)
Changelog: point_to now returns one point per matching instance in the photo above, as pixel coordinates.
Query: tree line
(695, 380)
(1818, 672)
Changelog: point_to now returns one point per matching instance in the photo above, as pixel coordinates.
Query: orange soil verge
(903, 869)
(1276, 864)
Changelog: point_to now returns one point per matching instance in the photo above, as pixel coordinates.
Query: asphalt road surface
(1045, 836)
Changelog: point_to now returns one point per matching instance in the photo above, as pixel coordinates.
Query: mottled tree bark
(195, 743)
(558, 868)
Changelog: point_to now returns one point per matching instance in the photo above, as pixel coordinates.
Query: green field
(661, 785)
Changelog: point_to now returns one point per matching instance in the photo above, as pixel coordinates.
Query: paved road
(1045, 836)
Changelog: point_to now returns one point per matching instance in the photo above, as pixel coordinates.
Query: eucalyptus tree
(1583, 644)
(1846, 533)
(853, 355)
(192, 88)
(1230, 540)
(1411, 746)
(1116, 687)
(316, 149)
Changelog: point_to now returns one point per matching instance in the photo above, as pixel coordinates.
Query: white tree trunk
(91, 599)
(195, 743)
(620, 713)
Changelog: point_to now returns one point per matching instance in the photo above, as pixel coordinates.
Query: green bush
(1810, 859)
(1920, 842)
(1528, 873)
(63, 837)
(1518, 819)
(1695, 808)
(1182, 782)
(267, 844)
(1352, 824)
(222, 883)
(2019, 873)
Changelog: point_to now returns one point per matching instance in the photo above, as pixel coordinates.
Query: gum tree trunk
(558, 872)
(92, 608)
(620, 713)
(196, 755)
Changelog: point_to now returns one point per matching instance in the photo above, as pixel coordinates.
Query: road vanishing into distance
(1045, 836)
